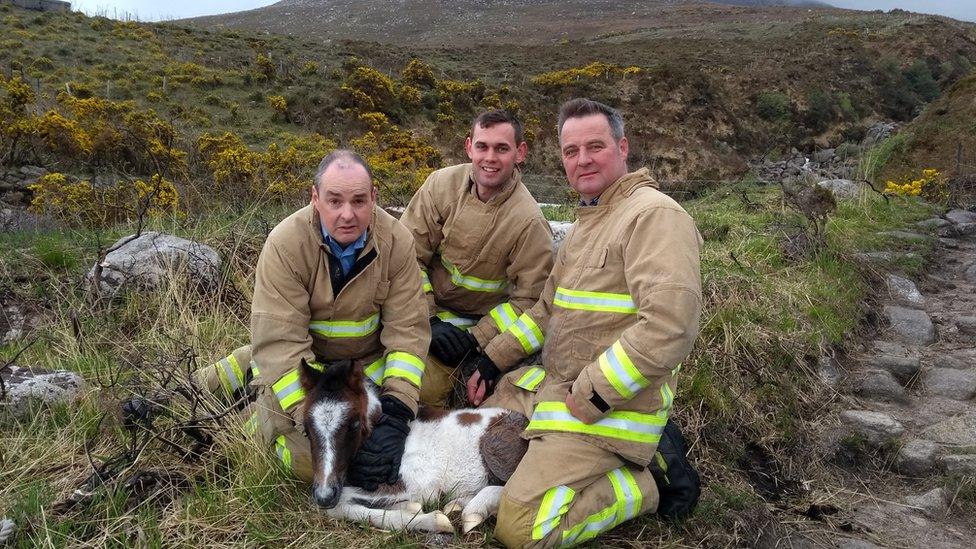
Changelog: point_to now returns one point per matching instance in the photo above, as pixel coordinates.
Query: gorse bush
(931, 184)
(773, 106)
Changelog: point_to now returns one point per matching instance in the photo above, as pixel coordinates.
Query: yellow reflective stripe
(231, 376)
(594, 301)
(345, 328)
(461, 322)
(288, 389)
(284, 454)
(427, 287)
(667, 397)
(473, 283)
(504, 316)
(621, 425)
(375, 370)
(531, 379)
(627, 504)
(676, 369)
(254, 368)
(251, 425)
(527, 333)
(554, 505)
(405, 365)
(621, 372)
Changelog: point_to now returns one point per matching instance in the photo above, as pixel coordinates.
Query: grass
(747, 381)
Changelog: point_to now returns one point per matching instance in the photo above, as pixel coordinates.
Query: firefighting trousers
(565, 490)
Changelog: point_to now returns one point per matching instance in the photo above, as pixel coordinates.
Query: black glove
(489, 373)
(450, 344)
(137, 411)
(378, 460)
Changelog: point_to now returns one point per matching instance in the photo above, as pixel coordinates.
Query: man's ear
(309, 375)
(520, 152)
(624, 146)
(467, 147)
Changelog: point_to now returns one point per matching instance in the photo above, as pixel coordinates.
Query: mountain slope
(463, 22)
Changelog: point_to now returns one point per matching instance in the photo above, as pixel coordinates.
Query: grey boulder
(147, 262)
(24, 385)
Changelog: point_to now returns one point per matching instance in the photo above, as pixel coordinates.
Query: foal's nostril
(325, 496)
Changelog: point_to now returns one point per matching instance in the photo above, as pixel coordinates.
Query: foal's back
(443, 454)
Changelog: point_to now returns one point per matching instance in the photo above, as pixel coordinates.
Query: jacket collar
(622, 188)
(502, 195)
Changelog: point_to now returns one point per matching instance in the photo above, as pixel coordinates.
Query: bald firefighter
(335, 280)
(617, 316)
(483, 246)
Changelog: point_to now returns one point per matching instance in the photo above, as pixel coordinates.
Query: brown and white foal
(465, 455)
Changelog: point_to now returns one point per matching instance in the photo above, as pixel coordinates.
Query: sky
(153, 10)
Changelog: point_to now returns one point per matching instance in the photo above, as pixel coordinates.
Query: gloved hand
(483, 379)
(378, 460)
(137, 411)
(450, 344)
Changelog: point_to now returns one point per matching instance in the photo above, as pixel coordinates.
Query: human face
(344, 201)
(494, 154)
(593, 160)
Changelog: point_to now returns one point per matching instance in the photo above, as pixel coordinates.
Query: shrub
(773, 106)
(279, 106)
(921, 82)
(264, 67)
(375, 85)
(309, 68)
(931, 185)
(419, 74)
(821, 110)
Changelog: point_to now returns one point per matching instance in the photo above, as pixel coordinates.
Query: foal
(466, 455)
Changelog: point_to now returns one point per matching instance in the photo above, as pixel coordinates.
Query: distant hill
(452, 23)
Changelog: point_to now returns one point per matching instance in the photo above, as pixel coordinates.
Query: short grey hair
(341, 154)
(581, 106)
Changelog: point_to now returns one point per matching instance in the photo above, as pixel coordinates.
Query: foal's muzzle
(326, 497)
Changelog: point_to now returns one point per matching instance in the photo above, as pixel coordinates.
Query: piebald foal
(464, 454)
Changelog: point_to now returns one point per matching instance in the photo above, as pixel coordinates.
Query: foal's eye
(355, 425)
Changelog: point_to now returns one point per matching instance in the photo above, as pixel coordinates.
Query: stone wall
(14, 183)
(43, 5)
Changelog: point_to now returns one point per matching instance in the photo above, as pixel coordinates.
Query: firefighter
(483, 246)
(335, 280)
(617, 316)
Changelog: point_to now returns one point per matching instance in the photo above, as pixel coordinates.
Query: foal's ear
(309, 375)
(355, 376)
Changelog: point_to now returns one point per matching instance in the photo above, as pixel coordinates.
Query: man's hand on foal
(378, 460)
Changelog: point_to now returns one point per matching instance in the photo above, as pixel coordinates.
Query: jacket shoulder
(449, 178)
(294, 231)
(646, 199)
(392, 235)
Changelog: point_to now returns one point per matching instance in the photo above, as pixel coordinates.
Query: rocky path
(912, 402)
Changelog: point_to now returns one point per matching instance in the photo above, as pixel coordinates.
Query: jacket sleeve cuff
(484, 331)
(403, 391)
(589, 399)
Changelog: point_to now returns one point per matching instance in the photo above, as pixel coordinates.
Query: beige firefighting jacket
(617, 316)
(479, 259)
(379, 316)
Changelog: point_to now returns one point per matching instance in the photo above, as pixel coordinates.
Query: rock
(825, 155)
(910, 326)
(903, 368)
(950, 383)
(33, 171)
(856, 544)
(949, 243)
(904, 290)
(961, 216)
(828, 370)
(877, 133)
(883, 347)
(933, 504)
(844, 189)
(13, 322)
(934, 223)
(876, 427)
(559, 230)
(908, 236)
(966, 324)
(971, 273)
(956, 431)
(146, 263)
(918, 457)
(949, 361)
(18, 219)
(35, 384)
(878, 384)
(886, 257)
(959, 464)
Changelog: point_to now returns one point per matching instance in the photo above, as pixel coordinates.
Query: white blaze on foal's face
(326, 422)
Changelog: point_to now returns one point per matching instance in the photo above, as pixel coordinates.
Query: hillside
(461, 22)
(696, 109)
(943, 137)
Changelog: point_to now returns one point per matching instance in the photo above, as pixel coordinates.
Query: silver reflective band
(613, 423)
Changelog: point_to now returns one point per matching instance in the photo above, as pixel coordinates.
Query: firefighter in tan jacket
(617, 316)
(335, 280)
(483, 246)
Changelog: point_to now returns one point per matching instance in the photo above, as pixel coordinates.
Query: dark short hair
(341, 154)
(488, 119)
(581, 106)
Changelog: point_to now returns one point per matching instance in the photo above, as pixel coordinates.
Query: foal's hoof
(442, 523)
(453, 506)
(470, 522)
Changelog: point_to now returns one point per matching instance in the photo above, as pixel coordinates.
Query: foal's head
(337, 420)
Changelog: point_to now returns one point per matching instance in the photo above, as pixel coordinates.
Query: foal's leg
(393, 519)
(483, 505)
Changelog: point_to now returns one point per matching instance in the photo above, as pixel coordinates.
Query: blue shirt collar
(345, 254)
